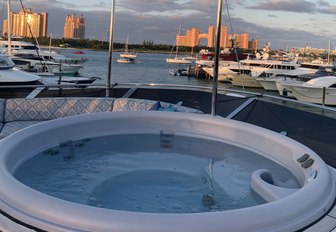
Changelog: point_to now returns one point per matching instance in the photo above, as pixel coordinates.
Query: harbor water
(148, 68)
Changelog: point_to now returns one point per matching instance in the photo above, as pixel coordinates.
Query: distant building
(254, 44)
(74, 27)
(25, 19)
(193, 36)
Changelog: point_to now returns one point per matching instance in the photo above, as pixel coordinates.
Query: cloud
(300, 6)
(286, 5)
(137, 19)
(322, 3)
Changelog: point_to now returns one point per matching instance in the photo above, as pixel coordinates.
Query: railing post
(216, 61)
(108, 82)
(324, 95)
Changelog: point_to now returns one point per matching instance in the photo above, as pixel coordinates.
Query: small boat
(179, 72)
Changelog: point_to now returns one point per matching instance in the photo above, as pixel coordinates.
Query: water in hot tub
(150, 173)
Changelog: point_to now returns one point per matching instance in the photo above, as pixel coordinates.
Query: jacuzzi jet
(67, 150)
(166, 139)
(208, 200)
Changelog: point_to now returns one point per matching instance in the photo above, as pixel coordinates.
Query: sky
(284, 23)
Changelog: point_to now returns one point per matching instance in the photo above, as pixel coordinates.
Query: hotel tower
(38, 23)
(74, 27)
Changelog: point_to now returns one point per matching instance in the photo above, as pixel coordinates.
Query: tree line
(147, 45)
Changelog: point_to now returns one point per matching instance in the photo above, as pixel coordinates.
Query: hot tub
(282, 208)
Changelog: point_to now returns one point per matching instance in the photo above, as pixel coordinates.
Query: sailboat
(126, 54)
(126, 58)
(177, 59)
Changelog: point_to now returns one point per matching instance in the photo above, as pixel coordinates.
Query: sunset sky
(292, 23)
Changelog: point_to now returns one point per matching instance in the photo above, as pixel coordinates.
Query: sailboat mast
(9, 29)
(50, 42)
(126, 45)
(329, 50)
(216, 61)
(178, 40)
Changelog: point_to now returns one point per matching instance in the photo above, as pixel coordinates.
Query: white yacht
(251, 69)
(29, 57)
(305, 69)
(11, 75)
(36, 64)
(321, 90)
(298, 78)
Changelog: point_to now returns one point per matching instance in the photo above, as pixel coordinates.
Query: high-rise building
(74, 27)
(26, 23)
(193, 36)
(254, 44)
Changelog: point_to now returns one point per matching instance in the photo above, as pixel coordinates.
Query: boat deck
(309, 124)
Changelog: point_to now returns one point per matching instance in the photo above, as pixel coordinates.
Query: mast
(50, 42)
(329, 50)
(126, 45)
(177, 40)
(9, 29)
(217, 50)
(108, 82)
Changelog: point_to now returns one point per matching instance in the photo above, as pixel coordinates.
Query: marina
(142, 148)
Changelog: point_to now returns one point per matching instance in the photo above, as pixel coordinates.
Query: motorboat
(19, 46)
(261, 66)
(28, 57)
(320, 90)
(11, 75)
(305, 72)
(261, 69)
(179, 72)
(298, 78)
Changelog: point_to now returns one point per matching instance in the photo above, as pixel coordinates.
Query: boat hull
(178, 61)
(268, 83)
(247, 81)
(317, 95)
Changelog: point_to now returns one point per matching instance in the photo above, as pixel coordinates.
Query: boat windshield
(6, 62)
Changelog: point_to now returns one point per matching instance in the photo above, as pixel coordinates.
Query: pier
(197, 72)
